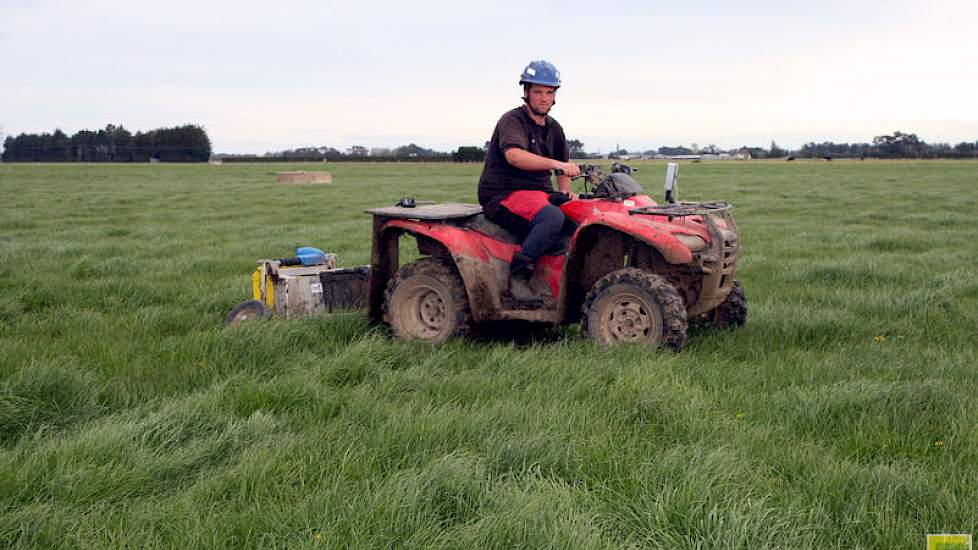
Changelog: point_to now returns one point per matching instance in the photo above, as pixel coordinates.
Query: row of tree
(890, 146)
(404, 153)
(188, 143)
(470, 153)
(898, 145)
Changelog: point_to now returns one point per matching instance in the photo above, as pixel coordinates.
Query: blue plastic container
(310, 256)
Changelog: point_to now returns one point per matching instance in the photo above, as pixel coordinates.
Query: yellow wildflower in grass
(739, 415)
(938, 443)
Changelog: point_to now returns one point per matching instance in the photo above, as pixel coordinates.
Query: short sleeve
(512, 134)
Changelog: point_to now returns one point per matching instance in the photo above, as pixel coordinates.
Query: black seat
(481, 224)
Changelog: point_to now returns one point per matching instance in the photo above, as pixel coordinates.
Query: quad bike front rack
(681, 209)
(719, 261)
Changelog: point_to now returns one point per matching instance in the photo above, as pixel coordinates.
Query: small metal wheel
(426, 301)
(252, 309)
(632, 305)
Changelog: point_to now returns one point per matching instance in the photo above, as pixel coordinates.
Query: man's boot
(520, 272)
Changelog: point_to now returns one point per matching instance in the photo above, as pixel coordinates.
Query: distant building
(678, 157)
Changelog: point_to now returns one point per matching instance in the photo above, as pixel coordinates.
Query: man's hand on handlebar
(568, 169)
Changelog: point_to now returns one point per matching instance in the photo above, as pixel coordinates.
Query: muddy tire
(252, 309)
(732, 313)
(426, 301)
(632, 305)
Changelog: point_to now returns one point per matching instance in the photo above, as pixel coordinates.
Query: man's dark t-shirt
(517, 129)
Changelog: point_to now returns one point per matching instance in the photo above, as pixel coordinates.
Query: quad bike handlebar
(590, 172)
(621, 184)
(559, 172)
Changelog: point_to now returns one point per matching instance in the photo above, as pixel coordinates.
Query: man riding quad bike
(627, 269)
(631, 271)
(515, 189)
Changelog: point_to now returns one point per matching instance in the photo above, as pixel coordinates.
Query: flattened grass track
(844, 415)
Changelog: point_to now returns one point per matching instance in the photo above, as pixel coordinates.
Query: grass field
(844, 415)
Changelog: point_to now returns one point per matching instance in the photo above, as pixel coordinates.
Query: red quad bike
(632, 271)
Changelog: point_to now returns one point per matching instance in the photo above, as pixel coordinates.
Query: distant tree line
(890, 146)
(359, 153)
(694, 149)
(897, 145)
(188, 143)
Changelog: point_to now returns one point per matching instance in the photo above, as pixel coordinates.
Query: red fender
(658, 235)
(482, 262)
(459, 242)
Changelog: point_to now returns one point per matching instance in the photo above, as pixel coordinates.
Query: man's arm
(525, 160)
(563, 185)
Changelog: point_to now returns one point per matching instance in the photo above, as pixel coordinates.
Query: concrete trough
(303, 177)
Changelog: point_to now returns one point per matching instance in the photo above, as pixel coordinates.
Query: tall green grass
(842, 416)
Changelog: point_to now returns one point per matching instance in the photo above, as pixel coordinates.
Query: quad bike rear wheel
(426, 301)
(732, 313)
(632, 305)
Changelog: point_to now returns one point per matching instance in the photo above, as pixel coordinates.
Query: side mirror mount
(672, 181)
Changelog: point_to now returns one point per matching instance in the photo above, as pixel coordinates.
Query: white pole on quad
(672, 180)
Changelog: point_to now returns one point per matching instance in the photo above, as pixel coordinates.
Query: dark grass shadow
(519, 333)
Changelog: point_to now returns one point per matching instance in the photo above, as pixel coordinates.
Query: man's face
(541, 98)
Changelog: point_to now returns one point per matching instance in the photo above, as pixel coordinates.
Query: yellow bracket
(263, 292)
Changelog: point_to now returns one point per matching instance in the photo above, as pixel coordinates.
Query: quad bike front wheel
(632, 305)
(732, 313)
(426, 301)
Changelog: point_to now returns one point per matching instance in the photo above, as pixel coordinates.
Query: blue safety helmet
(541, 72)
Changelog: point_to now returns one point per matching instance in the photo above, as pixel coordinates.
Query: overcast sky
(263, 76)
